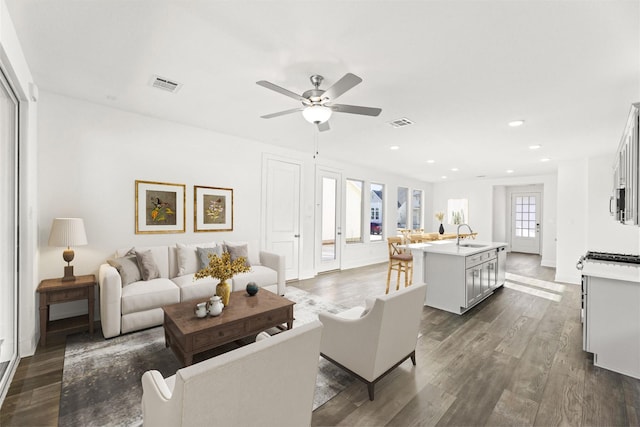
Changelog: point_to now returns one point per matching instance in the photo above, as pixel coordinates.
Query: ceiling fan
(317, 104)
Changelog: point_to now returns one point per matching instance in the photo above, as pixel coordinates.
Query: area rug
(101, 381)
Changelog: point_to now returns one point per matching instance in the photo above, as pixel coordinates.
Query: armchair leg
(370, 387)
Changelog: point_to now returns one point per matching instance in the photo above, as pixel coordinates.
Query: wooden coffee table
(187, 334)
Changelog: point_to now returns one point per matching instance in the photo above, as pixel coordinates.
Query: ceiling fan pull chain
(316, 131)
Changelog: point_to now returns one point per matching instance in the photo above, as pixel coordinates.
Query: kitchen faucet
(458, 233)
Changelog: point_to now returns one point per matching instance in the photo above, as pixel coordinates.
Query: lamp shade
(316, 113)
(67, 232)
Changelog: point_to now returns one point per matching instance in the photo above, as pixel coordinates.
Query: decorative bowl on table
(252, 288)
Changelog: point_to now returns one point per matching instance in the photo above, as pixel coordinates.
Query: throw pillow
(252, 248)
(127, 267)
(188, 260)
(239, 251)
(203, 255)
(148, 267)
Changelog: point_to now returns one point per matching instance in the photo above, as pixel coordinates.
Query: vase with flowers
(440, 217)
(223, 269)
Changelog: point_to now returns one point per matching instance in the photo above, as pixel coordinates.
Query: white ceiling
(459, 69)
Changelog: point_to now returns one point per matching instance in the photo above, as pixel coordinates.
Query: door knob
(296, 235)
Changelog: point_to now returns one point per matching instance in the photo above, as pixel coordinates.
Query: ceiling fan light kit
(316, 113)
(317, 104)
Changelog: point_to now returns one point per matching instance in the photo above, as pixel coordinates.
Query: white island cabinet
(611, 323)
(458, 276)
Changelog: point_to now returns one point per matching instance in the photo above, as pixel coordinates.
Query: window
(458, 211)
(353, 211)
(416, 209)
(376, 222)
(402, 206)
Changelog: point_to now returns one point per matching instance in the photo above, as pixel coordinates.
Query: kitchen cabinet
(458, 277)
(625, 202)
(611, 316)
(480, 277)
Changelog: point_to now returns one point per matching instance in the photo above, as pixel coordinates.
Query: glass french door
(329, 236)
(8, 232)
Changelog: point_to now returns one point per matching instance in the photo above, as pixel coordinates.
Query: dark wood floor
(516, 359)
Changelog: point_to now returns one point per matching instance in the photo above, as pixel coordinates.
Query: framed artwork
(212, 208)
(159, 207)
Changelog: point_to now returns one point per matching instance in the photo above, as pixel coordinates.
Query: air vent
(400, 123)
(165, 84)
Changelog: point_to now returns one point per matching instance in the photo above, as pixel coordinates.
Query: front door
(328, 235)
(525, 222)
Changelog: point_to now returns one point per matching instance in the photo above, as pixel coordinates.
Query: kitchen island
(458, 277)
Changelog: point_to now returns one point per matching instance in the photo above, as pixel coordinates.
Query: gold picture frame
(160, 207)
(212, 209)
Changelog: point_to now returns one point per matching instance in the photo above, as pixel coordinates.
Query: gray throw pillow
(203, 255)
(127, 267)
(238, 251)
(148, 267)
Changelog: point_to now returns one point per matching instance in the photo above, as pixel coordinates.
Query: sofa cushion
(145, 295)
(148, 267)
(160, 256)
(195, 289)
(203, 255)
(260, 274)
(187, 258)
(237, 251)
(252, 247)
(128, 269)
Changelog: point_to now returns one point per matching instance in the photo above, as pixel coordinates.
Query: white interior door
(525, 222)
(282, 212)
(328, 225)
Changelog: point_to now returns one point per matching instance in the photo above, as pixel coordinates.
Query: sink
(472, 245)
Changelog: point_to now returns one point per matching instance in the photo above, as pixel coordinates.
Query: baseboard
(568, 279)
(548, 263)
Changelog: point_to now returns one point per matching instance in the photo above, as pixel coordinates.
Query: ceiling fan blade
(341, 86)
(281, 90)
(282, 113)
(323, 126)
(355, 109)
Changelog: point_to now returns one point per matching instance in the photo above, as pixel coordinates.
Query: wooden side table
(54, 291)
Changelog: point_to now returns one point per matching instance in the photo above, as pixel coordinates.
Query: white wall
(585, 186)
(90, 156)
(488, 205)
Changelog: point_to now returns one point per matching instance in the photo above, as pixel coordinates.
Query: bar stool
(400, 261)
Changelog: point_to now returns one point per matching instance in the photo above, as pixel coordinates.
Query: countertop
(449, 247)
(612, 270)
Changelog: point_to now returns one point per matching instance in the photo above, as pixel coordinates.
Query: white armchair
(267, 383)
(369, 342)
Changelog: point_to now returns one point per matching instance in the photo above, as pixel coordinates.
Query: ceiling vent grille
(165, 84)
(400, 123)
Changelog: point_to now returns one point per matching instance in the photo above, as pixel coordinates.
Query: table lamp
(68, 232)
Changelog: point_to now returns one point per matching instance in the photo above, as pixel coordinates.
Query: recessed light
(443, 177)
(431, 161)
(394, 147)
(535, 147)
(509, 170)
(545, 159)
(454, 169)
(516, 123)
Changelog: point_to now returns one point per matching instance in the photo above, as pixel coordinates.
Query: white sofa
(137, 305)
(250, 386)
